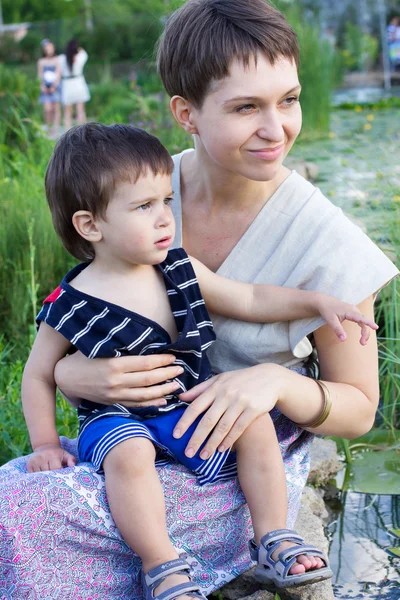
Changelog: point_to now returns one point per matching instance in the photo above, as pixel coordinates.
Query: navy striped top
(102, 329)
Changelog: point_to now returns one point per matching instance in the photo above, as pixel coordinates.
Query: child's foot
(303, 562)
(173, 576)
(285, 560)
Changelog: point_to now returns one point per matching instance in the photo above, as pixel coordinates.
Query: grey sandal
(153, 578)
(276, 573)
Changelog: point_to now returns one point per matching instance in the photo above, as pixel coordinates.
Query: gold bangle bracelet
(325, 411)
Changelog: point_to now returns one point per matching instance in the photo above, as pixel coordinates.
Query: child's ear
(86, 226)
(183, 113)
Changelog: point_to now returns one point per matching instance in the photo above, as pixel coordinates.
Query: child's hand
(335, 312)
(49, 457)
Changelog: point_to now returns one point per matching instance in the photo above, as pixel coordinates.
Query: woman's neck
(220, 189)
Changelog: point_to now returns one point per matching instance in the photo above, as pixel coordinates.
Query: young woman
(49, 73)
(230, 67)
(74, 91)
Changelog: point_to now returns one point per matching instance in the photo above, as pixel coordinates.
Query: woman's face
(49, 49)
(250, 119)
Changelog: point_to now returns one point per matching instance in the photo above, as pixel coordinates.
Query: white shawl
(299, 239)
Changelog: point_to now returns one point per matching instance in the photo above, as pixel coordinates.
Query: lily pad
(395, 532)
(393, 552)
(374, 473)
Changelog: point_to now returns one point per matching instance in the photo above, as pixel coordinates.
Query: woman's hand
(230, 402)
(128, 380)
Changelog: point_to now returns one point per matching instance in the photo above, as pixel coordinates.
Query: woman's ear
(86, 226)
(183, 112)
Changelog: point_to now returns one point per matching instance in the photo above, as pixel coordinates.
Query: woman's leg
(80, 113)
(56, 119)
(137, 505)
(263, 481)
(67, 108)
(48, 114)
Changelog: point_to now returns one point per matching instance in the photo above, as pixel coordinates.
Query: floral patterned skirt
(58, 540)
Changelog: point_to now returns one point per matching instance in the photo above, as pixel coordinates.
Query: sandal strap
(281, 535)
(155, 576)
(180, 590)
(272, 540)
(298, 550)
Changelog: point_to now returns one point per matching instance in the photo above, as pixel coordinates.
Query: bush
(360, 49)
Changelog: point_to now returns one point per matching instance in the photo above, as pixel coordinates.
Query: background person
(393, 40)
(244, 215)
(49, 73)
(74, 90)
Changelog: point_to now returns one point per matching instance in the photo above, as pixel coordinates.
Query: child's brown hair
(88, 163)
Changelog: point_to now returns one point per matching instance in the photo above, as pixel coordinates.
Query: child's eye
(291, 100)
(245, 109)
(168, 201)
(144, 206)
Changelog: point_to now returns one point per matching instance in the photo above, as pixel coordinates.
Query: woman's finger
(192, 394)
(134, 364)
(211, 422)
(224, 430)
(245, 419)
(143, 379)
(143, 396)
(193, 411)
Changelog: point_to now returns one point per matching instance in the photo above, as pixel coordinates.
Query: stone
(324, 461)
(314, 499)
(306, 169)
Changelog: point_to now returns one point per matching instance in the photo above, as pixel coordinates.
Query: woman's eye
(168, 201)
(245, 108)
(291, 100)
(144, 206)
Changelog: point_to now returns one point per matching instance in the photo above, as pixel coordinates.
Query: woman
(49, 73)
(74, 91)
(231, 69)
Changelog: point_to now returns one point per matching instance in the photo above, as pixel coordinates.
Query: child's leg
(137, 505)
(263, 481)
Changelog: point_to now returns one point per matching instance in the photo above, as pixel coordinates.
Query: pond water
(359, 539)
(359, 170)
(359, 167)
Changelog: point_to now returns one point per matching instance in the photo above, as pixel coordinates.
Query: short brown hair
(202, 38)
(88, 163)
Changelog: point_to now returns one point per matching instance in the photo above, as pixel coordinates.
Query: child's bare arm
(39, 400)
(263, 303)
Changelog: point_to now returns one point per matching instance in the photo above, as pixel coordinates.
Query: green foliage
(392, 102)
(360, 48)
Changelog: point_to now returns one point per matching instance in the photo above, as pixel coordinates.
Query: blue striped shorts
(105, 432)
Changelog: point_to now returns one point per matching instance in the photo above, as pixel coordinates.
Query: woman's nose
(271, 127)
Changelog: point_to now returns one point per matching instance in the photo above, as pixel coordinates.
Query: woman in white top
(74, 89)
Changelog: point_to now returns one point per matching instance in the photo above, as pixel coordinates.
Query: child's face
(251, 118)
(138, 226)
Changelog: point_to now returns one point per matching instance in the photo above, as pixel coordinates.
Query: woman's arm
(264, 303)
(231, 401)
(351, 374)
